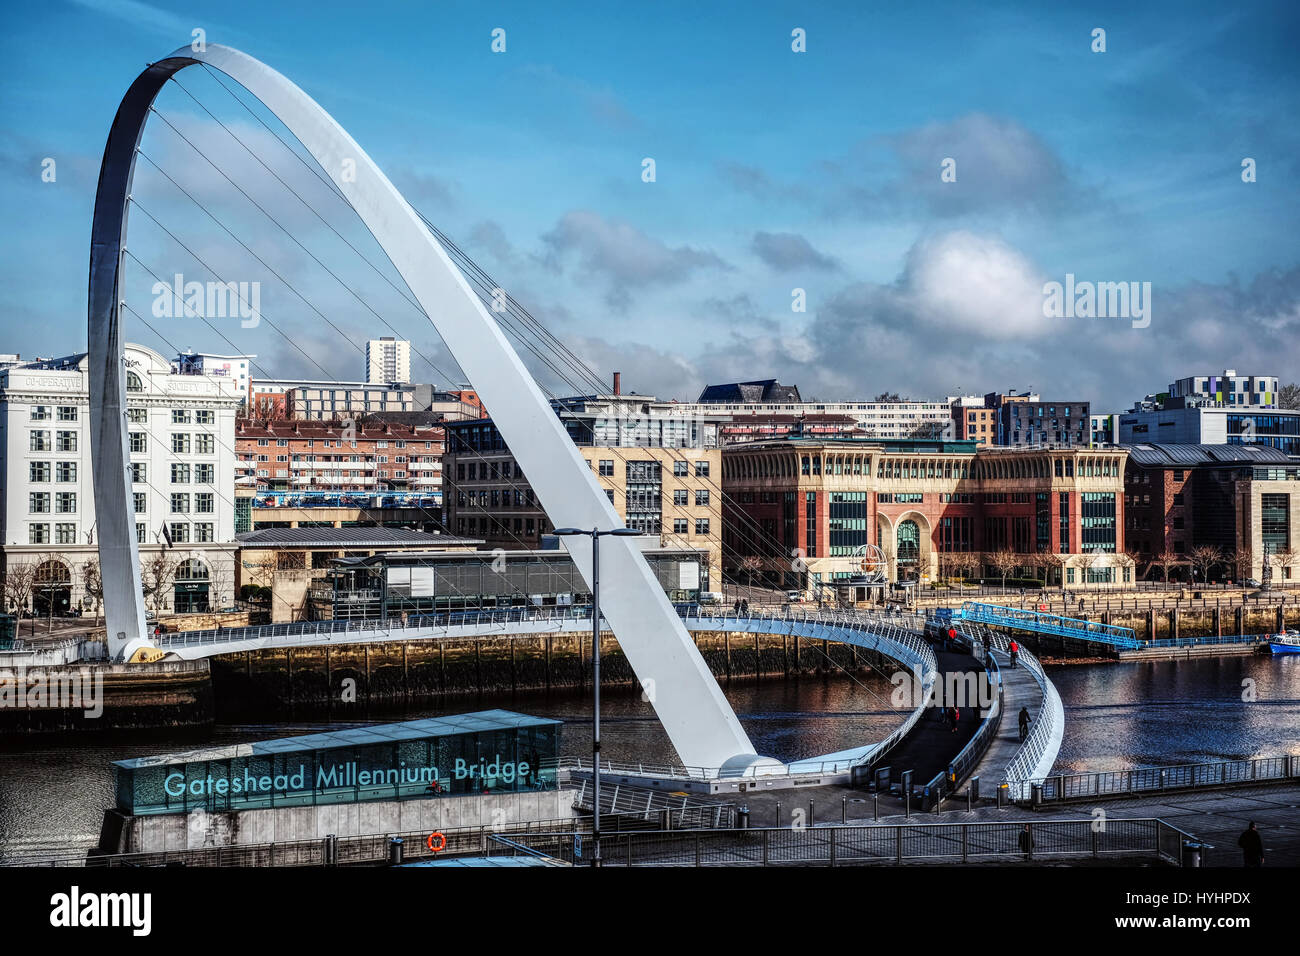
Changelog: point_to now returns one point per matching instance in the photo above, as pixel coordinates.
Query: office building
(1229, 388)
(181, 434)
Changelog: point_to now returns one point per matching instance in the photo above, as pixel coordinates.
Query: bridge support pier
(1151, 624)
(1239, 616)
(1173, 624)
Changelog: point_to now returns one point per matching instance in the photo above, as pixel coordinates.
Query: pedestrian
(956, 719)
(744, 607)
(1027, 842)
(988, 645)
(1024, 723)
(736, 608)
(1252, 847)
(1014, 650)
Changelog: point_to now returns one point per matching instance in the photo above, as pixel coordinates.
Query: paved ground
(1019, 689)
(1217, 817)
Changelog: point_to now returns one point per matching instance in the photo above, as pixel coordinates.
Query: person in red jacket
(1014, 649)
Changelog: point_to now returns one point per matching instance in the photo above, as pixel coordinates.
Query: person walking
(1024, 723)
(1014, 650)
(956, 719)
(1252, 846)
(1027, 843)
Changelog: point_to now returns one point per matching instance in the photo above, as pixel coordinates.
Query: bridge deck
(932, 744)
(1019, 689)
(1040, 622)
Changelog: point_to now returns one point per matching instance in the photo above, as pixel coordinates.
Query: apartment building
(388, 359)
(181, 436)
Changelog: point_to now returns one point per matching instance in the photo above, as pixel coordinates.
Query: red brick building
(809, 508)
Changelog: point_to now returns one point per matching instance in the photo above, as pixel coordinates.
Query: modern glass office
(490, 751)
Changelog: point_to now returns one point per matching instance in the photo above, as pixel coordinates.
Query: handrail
(1191, 776)
(948, 780)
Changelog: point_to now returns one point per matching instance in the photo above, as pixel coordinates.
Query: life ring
(442, 843)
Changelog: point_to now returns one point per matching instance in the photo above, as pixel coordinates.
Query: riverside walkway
(1019, 689)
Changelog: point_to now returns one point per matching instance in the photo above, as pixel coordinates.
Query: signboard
(688, 575)
(421, 582)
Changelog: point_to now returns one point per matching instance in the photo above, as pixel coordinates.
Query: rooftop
(1153, 455)
(763, 390)
(356, 736)
(350, 538)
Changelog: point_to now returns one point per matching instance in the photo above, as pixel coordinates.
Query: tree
(157, 569)
(19, 583)
(887, 397)
(1054, 562)
(1005, 561)
(750, 564)
(1203, 558)
(1166, 560)
(93, 584)
(1285, 557)
(1242, 559)
(1288, 396)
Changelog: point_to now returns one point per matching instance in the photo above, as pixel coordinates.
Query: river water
(1118, 715)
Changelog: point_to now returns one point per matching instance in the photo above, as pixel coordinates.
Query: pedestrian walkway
(1019, 689)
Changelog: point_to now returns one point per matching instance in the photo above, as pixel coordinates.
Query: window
(180, 474)
(141, 502)
(701, 469)
(65, 471)
(702, 526)
(204, 502)
(680, 525)
(180, 416)
(180, 533)
(39, 471)
(139, 443)
(204, 444)
(38, 534)
(65, 533)
(39, 441)
(40, 413)
(206, 416)
(139, 473)
(65, 441)
(38, 502)
(203, 531)
(701, 496)
(680, 496)
(180, 443)
(141, 534)
(680, 469)
(137, 416)
(205, 474)
(180, 503)
(65, 503)
(133, 382)
(607, 469)
(67, 413)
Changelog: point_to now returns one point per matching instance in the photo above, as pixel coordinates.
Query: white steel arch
(699, 720)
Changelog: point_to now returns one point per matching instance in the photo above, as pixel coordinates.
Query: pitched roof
(1155, 455)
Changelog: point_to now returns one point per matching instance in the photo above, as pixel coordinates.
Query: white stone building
(181, 428)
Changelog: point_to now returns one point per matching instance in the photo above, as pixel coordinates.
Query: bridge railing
(1047, 726)
(1046, 623)
(1119, 783)
(885, 844)
(948, 780)
(639, 803)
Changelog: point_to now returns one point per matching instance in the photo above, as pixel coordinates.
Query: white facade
(182, 429)
(883, 420)
(388, 359)
(1228, 388)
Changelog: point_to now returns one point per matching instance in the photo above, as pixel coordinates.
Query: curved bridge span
(897, 637)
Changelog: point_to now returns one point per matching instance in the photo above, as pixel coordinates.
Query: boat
(1287, 642)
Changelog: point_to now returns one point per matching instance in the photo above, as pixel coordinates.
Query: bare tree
(157, 569)
(1166, 560)
(19, 584)
(1203, 558)
(1053, 561)
(1005, 562)
(92, 581)
(1286, 557)
(1242, 559)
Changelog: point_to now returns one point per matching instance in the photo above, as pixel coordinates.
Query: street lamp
(595, 535)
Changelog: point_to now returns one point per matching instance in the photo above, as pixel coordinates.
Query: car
(1253, 583)
(793, 597)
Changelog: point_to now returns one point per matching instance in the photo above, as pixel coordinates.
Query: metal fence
(1145, 780)
(372, 848)
(655, 806)
(887, 844)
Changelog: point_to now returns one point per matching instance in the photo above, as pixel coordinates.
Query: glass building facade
(491, 751)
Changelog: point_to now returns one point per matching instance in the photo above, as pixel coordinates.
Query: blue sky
(775, 170)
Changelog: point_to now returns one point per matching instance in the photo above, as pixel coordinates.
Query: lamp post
(595, 534)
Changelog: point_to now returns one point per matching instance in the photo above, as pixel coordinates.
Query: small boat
(1287, 642)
